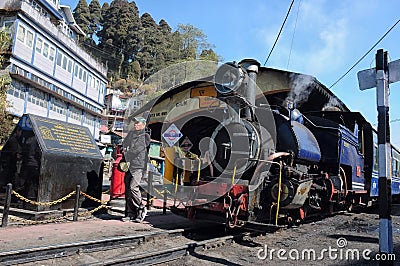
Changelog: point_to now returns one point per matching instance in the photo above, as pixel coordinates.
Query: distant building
(51, 75)
(116, 103)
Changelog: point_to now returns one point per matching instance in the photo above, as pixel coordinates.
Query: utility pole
(380, 77)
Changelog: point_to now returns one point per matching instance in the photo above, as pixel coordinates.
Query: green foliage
(210, 55)
(95, 16)
(193, 40)
(5, 80)
(135, 47)
(82, 18)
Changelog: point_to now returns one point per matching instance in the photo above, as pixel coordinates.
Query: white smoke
(301, 88)
(332, 105)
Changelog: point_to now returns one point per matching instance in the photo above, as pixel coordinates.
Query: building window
(76, 70)
(29, 39)
(52, 53)
(21, 34)
(59, 58)
(376, 158)
(46, 50)
(39, 45)
(69, 66)
(65, 60)
(7, 25)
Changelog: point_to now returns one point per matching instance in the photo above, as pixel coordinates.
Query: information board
(63, 137)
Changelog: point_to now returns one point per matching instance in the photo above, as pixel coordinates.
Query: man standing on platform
(135, 152)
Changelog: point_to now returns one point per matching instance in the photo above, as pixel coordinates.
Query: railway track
(145, 249)
(15, 257)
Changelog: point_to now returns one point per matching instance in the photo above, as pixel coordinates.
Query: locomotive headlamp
(228, 78)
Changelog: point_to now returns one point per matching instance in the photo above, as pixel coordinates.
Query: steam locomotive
(258, 145)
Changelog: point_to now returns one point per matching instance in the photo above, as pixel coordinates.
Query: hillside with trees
(5, 79)
(134, 46)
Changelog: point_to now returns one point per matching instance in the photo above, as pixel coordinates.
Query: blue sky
(328, 38)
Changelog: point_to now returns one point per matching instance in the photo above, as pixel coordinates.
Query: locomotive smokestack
(249, 92)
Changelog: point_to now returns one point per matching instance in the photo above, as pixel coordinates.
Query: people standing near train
(135, 153)
(31, 161)
(11, 154)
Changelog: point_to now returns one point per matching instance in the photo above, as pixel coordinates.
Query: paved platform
(101, 226)
(61, 230)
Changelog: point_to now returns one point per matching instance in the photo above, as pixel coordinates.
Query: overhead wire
(280, 31)
(294, 31)
(359, 60)
(391, 121)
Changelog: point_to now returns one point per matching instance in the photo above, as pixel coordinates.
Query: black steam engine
(258, 159)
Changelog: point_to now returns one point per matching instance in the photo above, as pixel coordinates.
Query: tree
(165, 42)
(135, 47)
(82, 18)
(193, 41)
(95, 18)
(119, 38)
(5, 80)
(150, 52)
(210, 55)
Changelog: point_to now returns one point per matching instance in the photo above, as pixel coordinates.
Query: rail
(178, 246)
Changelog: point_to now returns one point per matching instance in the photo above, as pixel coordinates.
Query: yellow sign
(203, 91)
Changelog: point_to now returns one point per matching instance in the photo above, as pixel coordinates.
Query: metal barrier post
(77, 194)
(7, 203)
(164, 210)
(149, 189)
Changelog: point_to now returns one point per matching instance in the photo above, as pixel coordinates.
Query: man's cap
(139, 119)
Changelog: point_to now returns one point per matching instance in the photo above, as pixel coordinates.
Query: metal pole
(384, 185)
(164, 210)
(7, 204)
(149, 189)
(76, 208)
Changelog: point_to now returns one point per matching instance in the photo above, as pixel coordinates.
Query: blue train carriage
(346, 144)
(395, 169)
(395, 172)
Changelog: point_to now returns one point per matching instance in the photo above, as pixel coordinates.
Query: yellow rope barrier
(26, 221)
(94, 199)
(42, 203)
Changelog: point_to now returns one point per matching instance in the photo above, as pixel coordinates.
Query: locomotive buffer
(380, 77)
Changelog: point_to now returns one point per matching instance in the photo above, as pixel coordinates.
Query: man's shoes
(127, 219)
(142, 214)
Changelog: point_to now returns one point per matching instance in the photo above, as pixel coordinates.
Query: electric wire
(387, 32)
(294, 31)
(280, 31)
(391, 121)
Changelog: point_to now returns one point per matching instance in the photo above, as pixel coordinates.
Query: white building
(116, 104)
(51, 75)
